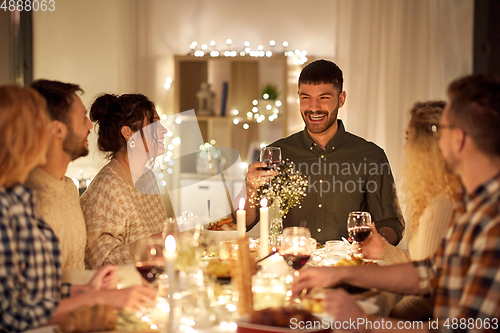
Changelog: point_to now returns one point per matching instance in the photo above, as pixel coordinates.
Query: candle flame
(170, 243)
(242, 203)
(263, 203)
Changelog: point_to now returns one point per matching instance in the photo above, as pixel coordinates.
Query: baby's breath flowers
(285, 191)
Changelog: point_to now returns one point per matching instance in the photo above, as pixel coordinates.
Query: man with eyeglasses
(464, 273)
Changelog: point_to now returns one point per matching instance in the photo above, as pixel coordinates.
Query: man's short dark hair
(475, 107)
(59, 97)
(322, 72)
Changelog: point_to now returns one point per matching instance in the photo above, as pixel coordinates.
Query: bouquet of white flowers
(284, 191)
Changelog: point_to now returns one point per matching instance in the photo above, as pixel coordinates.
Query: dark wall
(16, 51)
(487, 36)
(6, 50)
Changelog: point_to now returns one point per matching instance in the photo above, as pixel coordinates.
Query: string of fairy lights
(231, 51)
(261, 110)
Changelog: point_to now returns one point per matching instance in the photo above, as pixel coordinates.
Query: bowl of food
(219, 268)
(222, 230)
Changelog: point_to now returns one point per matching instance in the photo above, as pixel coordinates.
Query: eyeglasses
(438, 128)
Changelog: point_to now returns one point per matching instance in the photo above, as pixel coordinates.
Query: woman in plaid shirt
(31, 292)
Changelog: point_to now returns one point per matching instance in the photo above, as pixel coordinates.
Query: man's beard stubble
(331, 119)
(73, 147)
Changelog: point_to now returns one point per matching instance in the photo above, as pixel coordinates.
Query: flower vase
(275, 226)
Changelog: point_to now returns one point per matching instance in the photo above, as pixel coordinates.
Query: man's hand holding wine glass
(262, 171)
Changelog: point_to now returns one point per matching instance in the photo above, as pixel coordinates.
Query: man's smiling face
(319, 106)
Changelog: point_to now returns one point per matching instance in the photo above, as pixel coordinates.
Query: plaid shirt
(464, 273)
(30, 269)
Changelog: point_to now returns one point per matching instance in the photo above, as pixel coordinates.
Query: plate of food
(314, 301)
(285, 320)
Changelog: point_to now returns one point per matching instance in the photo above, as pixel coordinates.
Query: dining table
(381, 301)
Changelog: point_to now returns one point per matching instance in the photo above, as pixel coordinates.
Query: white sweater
(59, 205)
(422, 244)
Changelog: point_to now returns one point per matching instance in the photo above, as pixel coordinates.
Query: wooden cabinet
(245, 76)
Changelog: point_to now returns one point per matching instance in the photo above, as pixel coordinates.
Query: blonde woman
(427, 190)
(31, 290)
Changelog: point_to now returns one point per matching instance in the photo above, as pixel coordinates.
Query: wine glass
(296, 250)
(299, 231)
(272, 156)
(149, 258)
(358, 226)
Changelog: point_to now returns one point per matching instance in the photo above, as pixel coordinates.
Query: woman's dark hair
(112, 112)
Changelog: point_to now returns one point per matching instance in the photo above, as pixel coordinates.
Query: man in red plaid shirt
(464, 274)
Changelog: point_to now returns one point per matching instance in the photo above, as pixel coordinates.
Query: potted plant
(270, 92)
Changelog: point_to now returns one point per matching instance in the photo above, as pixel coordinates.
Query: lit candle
(241, 219)
(264, 228)
(170, 256)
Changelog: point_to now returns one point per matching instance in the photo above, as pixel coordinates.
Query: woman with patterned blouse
(122, 204)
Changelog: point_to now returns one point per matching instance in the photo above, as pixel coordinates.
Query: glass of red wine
(358, 226)
(149, 258)
(272, 156)
(296, 250)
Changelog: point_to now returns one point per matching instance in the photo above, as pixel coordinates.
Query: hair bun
(103, 106)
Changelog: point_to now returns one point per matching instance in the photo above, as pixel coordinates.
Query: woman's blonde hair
(424, 172)
(24, 125)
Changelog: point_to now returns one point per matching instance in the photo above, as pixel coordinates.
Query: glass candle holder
(268, 291)
(335, 250)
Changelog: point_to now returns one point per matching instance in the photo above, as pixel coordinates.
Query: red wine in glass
(271, 165)
(296, 261)
(271, 156)
(359, 234)
(150, 270)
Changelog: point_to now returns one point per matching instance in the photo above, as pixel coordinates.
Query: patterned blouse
(116, 215)
(465, 271)
(30, 268)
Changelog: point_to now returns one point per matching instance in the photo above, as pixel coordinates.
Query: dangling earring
(131, 143)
